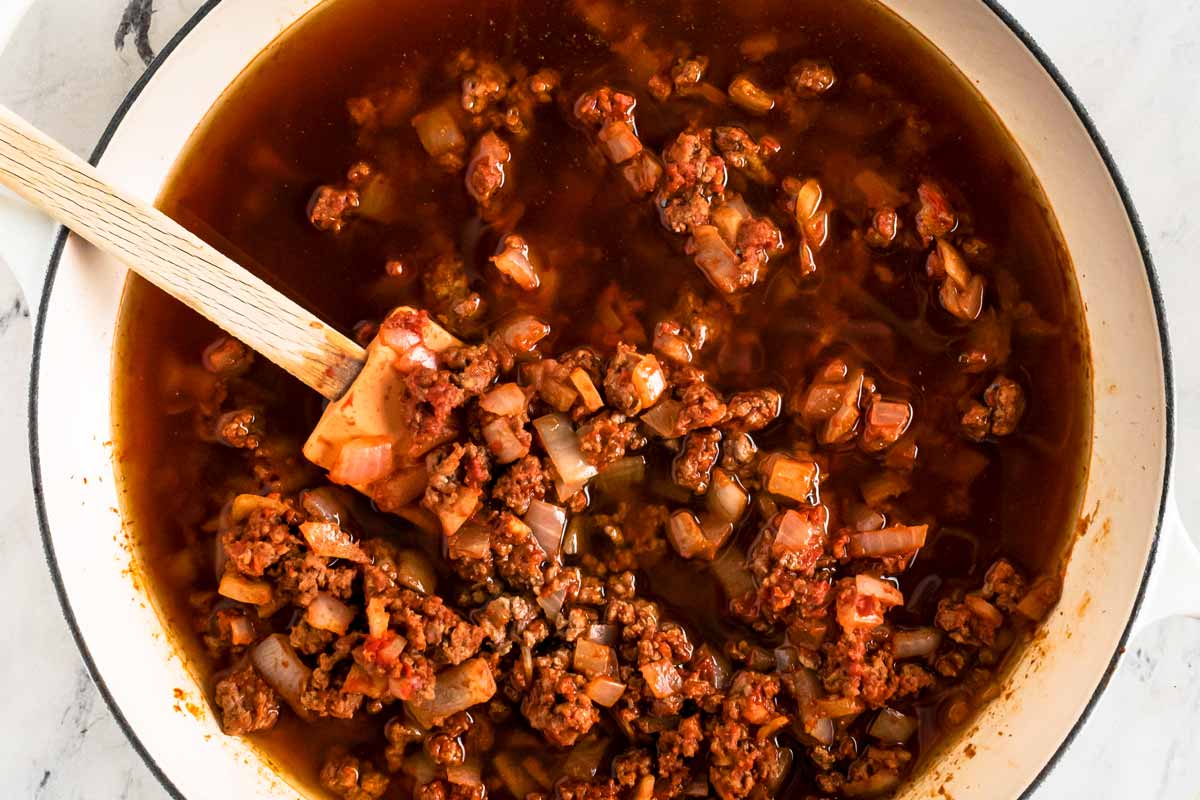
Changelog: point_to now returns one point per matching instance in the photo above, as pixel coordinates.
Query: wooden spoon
(154, 246)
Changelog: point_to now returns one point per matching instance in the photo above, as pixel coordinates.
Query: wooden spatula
(140, 236)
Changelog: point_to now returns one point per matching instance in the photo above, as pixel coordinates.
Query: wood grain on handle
(160, 250)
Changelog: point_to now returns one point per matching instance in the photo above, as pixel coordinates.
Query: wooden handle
(135, 233)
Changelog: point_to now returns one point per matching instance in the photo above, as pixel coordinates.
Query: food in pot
(722, 424)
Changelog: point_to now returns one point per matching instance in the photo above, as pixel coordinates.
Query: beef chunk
(241, 429)
(935, 217)
(811, 78)
(263, 538)
(694, 174)
(607, 437)
(457, 474)
(970, 621)
(556, 704)
(743, 153)
(247, 703)
(998, 415)
(752, 411)
(702, 407)
(524, 481)
(740, 762)
(351, 778)
(486, 170)
(330, 207)
(604, 105)
(693, 466)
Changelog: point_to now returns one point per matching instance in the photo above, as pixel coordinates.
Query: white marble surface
(1136, 67)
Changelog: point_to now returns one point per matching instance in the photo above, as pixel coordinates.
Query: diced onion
(602, 634)
(471, 541)
(561, 444)
(593, 660)
(522, 333)
(328, 540)
(502, 441)
(916, 643)
(552, 602)
(726, 499)
(984, 609)
(377, 616)
(662, 678)
(415, 571)
(790, 477)
(505, 400)
(329, 614)
(892, 727)
(663, 419)
(438, 132)
(548, 523)
(715, 258)
(456, 689)
(513, 261)
(619, 141)
(244, 590)
(838, 707)
(797, 533)
(892, 541)
(730, 571)
(468, 773)
(363, 460)
(588, 392)
(685, 535)
(622, 475)
(604, 691)
(282, 669)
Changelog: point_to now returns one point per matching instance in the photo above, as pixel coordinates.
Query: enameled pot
(1131, 551)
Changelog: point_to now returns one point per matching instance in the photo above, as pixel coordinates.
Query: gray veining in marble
(1135, 65)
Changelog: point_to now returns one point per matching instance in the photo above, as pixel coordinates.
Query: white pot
(132, 656)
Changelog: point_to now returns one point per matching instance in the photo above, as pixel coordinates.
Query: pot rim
(995, 7)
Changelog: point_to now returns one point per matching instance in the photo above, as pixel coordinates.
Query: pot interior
(150, 681)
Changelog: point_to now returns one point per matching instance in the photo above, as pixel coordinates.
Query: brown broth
(245, 179)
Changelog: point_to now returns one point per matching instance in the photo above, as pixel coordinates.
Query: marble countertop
(69, 63)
